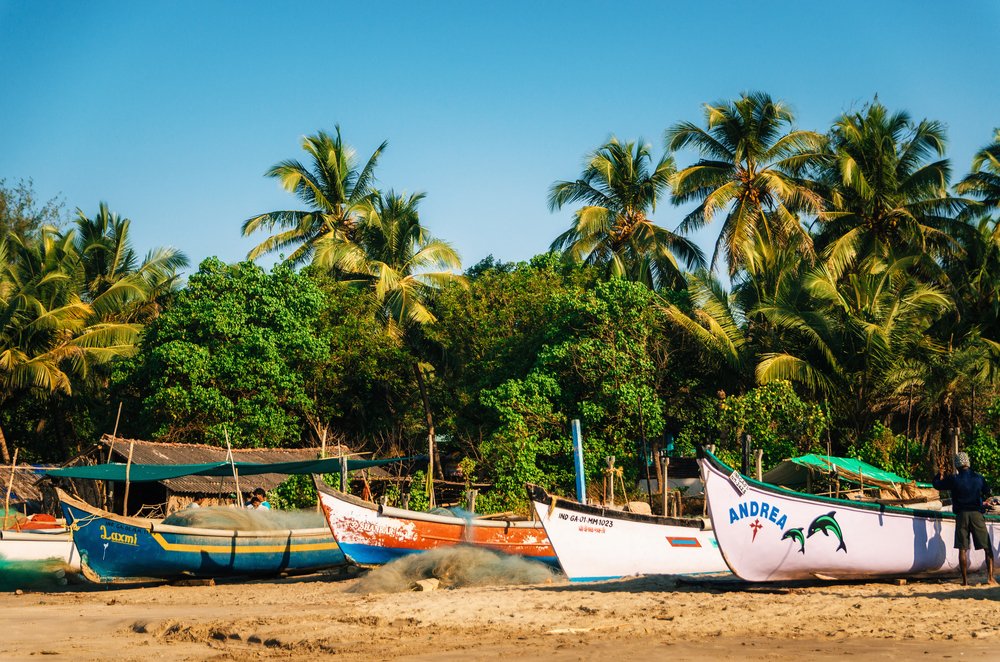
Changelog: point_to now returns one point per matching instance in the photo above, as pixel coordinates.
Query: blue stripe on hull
(116, 550)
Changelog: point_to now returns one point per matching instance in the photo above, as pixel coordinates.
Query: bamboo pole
(759, 463)
(128, 471)
(114, 435)
(10, 486)
(611, 475)
(236, 474)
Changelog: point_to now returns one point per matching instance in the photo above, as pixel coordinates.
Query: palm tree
(749, 170)
(884, 191)
(728, 327)
(47, 332)
(620, 187)
(983, 183)
(402, 264)
(336, 189)
(115, 282)
(854, 333)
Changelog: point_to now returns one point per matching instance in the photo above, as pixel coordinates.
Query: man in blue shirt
(968, 492)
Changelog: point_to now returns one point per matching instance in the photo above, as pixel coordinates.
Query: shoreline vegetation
(849, 305)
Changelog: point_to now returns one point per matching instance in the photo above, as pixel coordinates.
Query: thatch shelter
(163, 497)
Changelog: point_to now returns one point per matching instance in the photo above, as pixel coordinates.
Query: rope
(78, 524)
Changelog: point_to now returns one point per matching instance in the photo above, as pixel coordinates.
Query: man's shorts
(971, 522)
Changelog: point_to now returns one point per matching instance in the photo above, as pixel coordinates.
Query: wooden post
(759, 462)
(343, 474)
(10, 486)
(665, 487)
(128, 471)
(470, 500)
(611, 478)
(322, 446)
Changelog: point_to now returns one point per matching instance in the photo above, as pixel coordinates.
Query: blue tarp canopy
(138, 473)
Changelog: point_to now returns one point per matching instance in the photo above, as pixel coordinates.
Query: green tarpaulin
(138, 473)
(793, 472)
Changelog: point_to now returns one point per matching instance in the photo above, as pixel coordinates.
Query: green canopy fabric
(139, 473)
(793, 471)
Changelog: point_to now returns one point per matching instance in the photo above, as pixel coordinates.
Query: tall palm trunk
(431, 443)
(3, 448)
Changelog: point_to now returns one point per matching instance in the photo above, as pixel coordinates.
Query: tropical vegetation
(851, 305)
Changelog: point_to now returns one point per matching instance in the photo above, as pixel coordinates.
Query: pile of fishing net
(243, 519)
(455, 567)
(45, 574)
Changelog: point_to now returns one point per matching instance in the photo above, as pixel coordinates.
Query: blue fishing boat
(113, 547)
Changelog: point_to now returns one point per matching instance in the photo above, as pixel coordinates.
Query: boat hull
(370, 535)
(594, 543)
(118, 548)
(768, 533)
(39, 545)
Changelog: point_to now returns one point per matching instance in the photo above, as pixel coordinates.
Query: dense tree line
(850, 303)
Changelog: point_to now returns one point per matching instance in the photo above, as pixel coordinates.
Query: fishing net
(242, 519)
(12, 519)
(455, 567)
(46, 574)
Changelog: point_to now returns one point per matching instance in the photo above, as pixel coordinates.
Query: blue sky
(172, 111)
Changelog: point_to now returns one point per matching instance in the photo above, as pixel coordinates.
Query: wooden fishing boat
(39, 544)
(594, 543)
(370, 534)
(113, 547)
(770, 533)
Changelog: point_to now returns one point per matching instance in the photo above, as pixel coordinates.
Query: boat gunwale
(413, 515)
(541, 495)
(784, 492)
(156, 526)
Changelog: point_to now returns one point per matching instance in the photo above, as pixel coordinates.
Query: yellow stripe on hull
(229, 549)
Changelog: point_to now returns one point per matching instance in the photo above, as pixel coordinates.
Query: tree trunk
(3, 448)
(431, 442)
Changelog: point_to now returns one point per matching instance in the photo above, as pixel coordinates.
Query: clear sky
(172, 111)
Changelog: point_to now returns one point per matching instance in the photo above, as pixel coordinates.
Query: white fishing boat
(770, 533)
(594, 543)
(39, 545)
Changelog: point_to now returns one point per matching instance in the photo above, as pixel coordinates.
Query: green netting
(793, 471)
(139, 473)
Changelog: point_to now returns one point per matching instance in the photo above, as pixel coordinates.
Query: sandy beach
(319, 616)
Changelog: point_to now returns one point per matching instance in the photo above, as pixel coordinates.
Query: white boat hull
(595, 544)
(769, 533)
(39, 546)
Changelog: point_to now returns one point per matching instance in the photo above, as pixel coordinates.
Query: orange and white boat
(371, 534)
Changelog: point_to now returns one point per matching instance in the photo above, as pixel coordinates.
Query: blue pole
(581, 481)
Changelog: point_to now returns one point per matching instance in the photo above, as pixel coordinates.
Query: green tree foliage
(22, 213)
(594, 364)
(228, 356)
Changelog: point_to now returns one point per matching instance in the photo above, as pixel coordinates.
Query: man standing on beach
(968, 492)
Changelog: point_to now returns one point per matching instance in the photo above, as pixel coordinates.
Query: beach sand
(305, 618)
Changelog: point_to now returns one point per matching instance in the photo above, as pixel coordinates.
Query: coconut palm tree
(983, 183)
(620, 187)
(886, 184)
(337, 189)
(402, 264)
(47, 332)
(858, 328)
(115, 282)
(750, 170)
